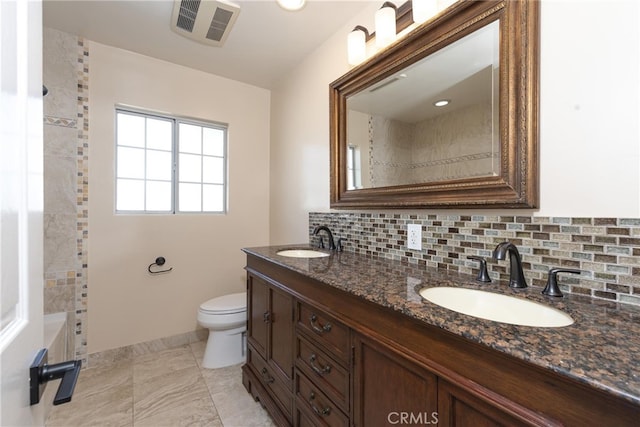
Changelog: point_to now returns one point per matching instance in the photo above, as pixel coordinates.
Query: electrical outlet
(414, 236)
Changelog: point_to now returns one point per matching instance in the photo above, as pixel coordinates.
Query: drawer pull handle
(320, 329)
(322, 412)
(318, 370)
(266, 377)
(266, 317)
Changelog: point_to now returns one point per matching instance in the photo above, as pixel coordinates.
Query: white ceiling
(462, 72)
(265, 42)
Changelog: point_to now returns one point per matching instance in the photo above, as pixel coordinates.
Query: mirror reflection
(399, 133)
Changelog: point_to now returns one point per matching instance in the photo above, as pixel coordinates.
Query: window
(354, 175)
(169, 164)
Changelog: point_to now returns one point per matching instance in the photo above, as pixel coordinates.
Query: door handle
(41, 372)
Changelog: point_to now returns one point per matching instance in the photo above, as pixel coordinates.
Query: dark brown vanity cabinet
(457, 407)
(268, 374)
(319, 356)
(389, 389)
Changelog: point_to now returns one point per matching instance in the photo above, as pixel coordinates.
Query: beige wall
(589, 140)
(126, 304)
(300, 137)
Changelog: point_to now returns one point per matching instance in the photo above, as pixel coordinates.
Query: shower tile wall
(433, 149)
(606, 249)
(65, 74)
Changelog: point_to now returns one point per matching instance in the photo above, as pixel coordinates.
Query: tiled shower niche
(607, 250)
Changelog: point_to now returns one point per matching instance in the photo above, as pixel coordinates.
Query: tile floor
(167, 388)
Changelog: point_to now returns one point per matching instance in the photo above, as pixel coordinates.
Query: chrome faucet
(516, 276)
(332, 244)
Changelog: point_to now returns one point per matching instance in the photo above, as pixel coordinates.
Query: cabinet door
(458, 407)
(258, 314)
(281, 338)
(389, 389)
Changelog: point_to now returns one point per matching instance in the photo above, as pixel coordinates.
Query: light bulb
(385, 20)
(423, 10)
(357, 45)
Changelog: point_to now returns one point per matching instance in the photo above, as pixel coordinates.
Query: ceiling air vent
(205, 21)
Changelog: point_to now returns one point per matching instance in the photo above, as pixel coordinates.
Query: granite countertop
(601, 347)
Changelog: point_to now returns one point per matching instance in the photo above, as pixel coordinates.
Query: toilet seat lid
(226, 304)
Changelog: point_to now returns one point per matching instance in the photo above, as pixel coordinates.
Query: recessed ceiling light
(442, 102)
(291, 4)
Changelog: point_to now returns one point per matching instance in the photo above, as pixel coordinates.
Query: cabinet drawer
(326, 331)
(319, 409)
(325, 372)
(301, 419)
(271, 382)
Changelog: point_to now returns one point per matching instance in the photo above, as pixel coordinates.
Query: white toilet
(226, 319)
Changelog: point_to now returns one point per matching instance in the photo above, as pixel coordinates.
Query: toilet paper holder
(159, 262)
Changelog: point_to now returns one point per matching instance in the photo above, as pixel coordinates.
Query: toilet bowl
(226, 319)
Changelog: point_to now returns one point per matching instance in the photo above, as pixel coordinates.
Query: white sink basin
(496, 307)
(302, 253)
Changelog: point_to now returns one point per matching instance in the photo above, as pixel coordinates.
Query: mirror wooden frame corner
(516, 186)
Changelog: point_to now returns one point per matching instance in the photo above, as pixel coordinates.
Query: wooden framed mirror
(391, 147)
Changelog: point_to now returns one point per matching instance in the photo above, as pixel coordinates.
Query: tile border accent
(60, 121)
(82, 201)
(606, 249)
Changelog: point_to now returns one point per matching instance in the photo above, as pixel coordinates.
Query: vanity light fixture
(292, 5)
(391, 20)
(442, 102)
(385, 20)
(423, 10)
(357, 45)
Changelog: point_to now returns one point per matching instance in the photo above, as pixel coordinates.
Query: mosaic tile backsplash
(607, 250)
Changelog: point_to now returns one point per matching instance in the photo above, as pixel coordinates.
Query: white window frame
(175, 172)
(354, 172)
